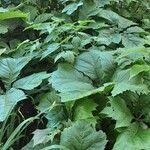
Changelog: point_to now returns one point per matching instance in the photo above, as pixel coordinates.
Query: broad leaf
(117, 110)
(42, 18)
(40, 136)
(83, 110)
(10, 69)
(108, 36)
(72, 84)
(83, 136)
(139, 105)
(136, 69)
(130, 40)
(32, 81)
(43, 136)
(68, 56)
(124, 83)
(96, 64)
(134, 138)
(115, 18)
(8, 101)
(37, 147)
(131, 55)
(69, 9)
(51, 48)
(135, 29)
(88, 9)
(56, 115)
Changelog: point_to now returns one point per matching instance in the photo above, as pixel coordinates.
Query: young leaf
(12, 14)
(83, 136)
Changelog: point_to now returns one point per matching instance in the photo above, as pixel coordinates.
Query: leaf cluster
(83, 66)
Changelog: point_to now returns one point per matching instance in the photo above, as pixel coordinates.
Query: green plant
(74, 74)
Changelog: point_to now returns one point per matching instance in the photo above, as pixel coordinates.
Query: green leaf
(108, 36)
(72, 84)
(8, 101)
(32, 81)
(2, 50)
(136, 69)
(134, 138)
(3, 29)
(95, 64)
(83, 110)
(69, 9)
(135, 29)
(56, 115)
(117, 110)
(76, 42)
(68, 56)
(130, 40)
(131, 55)
(139, 105)
(92, 7)
(89, 8)
(83, 136)
(37, 147)
(40, 136)
(43, 136)
(45, 27)
(10, 69)
(102, 3)
(124, 83)
(51, 48)
(42, 18)
(115, 18)
(12, 14)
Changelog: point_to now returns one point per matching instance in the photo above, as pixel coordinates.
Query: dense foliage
(75, 74)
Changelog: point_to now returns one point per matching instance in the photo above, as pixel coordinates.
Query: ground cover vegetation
(75, 74)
